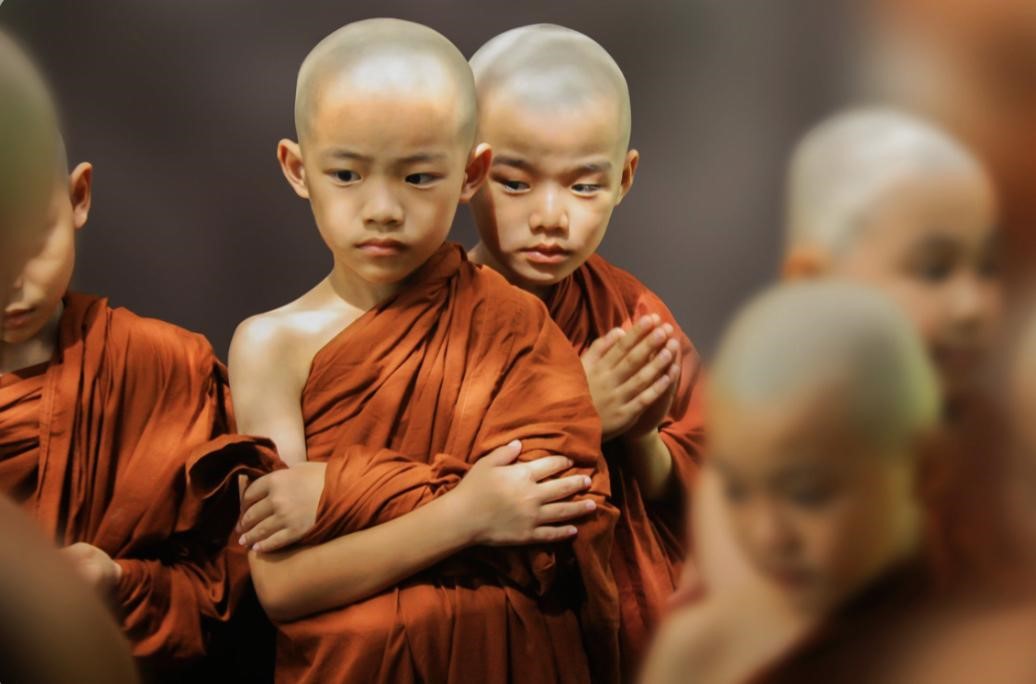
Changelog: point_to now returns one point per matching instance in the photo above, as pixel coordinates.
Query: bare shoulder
(285, 339)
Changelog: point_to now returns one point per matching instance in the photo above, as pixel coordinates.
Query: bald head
(552, 68)
(841, 168)
(29, 146)
(830, 339)
(386, 57)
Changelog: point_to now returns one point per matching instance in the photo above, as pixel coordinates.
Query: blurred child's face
(384, 173)
(817, 512)
(555, 179)
(45, 278)
(931, 244)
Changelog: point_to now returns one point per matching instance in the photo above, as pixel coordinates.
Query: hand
(280, 507)
(660, 398)
(94, 565)
(510, 503)
(689, 589)
(629, 372)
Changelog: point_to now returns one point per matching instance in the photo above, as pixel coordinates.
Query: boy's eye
(934, 271)
(513, 185)
(810, 495)
(585, 188)
(346, 176)
(420, 179)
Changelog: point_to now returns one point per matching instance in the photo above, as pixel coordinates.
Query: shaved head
(551, 68)
(840, 170)
(386, 57)
(830, 339)
(29, 146)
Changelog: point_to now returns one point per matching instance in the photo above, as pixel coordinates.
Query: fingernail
(515, 444)
(656, 319)
(646, 321)
(668, 329)
(571, 531)
(591, 505)
(586, 481)
(568, 462)
(659, 335)
(241, 540)
(666, 355)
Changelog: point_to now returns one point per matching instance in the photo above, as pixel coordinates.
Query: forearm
(300, 582)
(163, 607)
(651, 464)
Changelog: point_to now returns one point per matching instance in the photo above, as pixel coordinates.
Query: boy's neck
(479, 254)
(359, 293)
(36, 350)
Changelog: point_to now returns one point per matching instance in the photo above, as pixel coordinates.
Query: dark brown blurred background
(180, 104)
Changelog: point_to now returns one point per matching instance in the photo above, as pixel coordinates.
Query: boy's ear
(629, 171)
(80, 190)
(476, 171)
(805, 261)
(289, 154)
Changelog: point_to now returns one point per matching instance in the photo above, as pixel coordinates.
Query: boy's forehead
(563, 129)
(360, 118)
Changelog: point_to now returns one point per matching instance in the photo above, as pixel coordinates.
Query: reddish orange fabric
(400, 404)
(649, 537)
(121, 443)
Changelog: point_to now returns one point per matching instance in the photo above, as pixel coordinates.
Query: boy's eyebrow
(601, 166)
(421, 157)
(516, 162)
(342, 153)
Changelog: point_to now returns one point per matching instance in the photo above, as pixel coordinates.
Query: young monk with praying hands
(428, 409)
(555, 108)
(820, 493)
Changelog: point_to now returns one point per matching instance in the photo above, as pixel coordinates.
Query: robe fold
(649, 538)
(400, 405)
(121, 442)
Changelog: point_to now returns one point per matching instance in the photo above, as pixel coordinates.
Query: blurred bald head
(390, 58)
(29, 146)
(841, 169)
(835, 340)
(551, 68)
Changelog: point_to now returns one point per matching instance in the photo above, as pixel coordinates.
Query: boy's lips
(381, 247)
(546, 254)
(16, 317)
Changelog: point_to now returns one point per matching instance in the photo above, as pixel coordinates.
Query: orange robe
(400, 404)
(649, 537)
(120, 442)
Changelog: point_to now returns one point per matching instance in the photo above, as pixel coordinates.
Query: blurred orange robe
(120, 441)
(649, 537)
(400, 404)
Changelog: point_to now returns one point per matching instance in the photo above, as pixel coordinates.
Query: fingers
(630, 338)
(277, 541)
(264, 530)
(653, 393)
(504, 455)
(601, 345)
(562, 487)
(551, 533)
(255, 515)
(644, 351)
(546, 466)
(652, 371)
(256, 491)
(565, 511)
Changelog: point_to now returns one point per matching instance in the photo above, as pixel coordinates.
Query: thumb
(504, 455)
